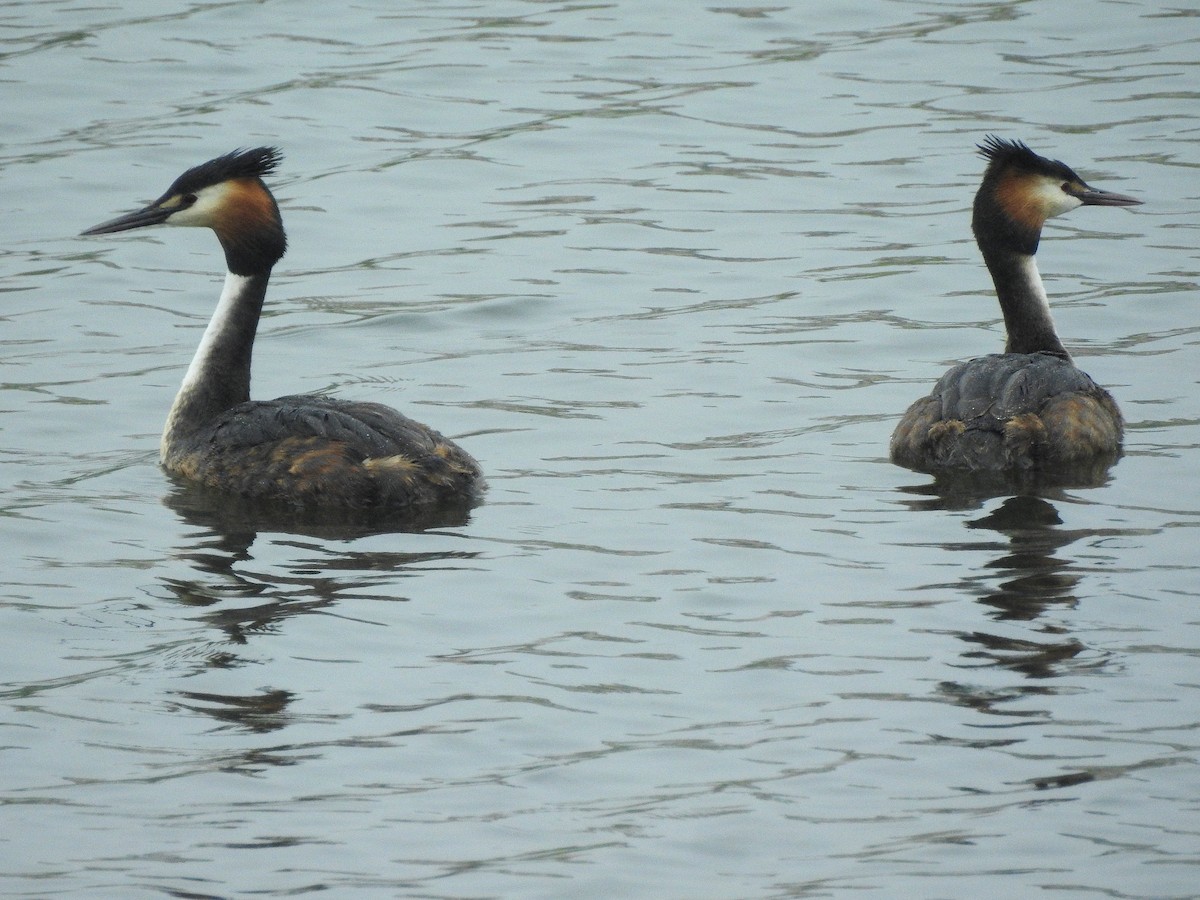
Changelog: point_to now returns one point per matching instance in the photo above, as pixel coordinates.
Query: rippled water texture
(671, 272)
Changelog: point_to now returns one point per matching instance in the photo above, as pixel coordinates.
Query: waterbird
(1028, 410)
(305, 451)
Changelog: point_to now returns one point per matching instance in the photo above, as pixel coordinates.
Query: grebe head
(1021, 190)
(226, 194)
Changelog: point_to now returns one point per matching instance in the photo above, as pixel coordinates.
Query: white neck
(1022, 296)
(219, 375)
(217, 325)
(1037, 291)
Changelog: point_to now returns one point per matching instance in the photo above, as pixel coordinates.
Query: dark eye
(187, 200)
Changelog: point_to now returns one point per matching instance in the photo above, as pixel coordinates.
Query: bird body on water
(1029, 409)
(306, 451)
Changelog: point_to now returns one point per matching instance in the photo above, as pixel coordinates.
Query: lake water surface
(671, 272)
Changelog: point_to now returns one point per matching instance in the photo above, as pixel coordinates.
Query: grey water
(671, 272)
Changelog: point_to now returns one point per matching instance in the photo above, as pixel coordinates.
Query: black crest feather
(1001, 153)
(254, 163)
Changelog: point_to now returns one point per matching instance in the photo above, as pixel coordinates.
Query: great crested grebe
(305, 451)
(1027, 410)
